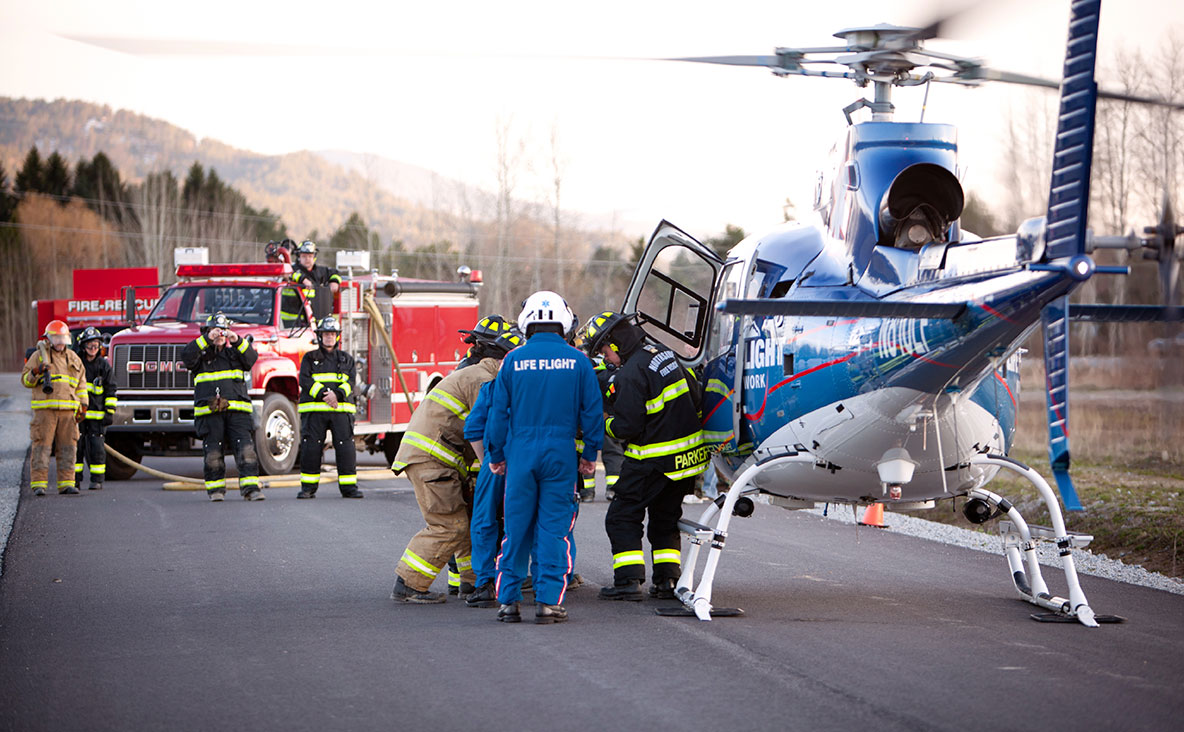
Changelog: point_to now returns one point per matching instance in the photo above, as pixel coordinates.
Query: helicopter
(870, 355)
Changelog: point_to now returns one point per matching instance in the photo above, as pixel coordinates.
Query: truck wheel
(116, 468)
(390, 446)
(278, 438)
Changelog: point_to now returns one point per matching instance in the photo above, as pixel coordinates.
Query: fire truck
(420, 319)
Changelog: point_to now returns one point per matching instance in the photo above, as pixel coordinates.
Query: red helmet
(57, 333)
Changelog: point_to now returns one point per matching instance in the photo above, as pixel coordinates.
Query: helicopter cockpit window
(673, 303)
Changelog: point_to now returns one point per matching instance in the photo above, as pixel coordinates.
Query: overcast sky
(699, 145)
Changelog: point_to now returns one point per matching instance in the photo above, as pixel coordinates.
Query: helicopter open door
(671, 292)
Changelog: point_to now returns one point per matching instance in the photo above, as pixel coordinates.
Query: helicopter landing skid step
(682, 612)
(1062, 618)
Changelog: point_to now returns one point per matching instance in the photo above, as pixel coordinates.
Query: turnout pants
(313, 426)
(644, 488)
(236, 430)
(90, 450)
(440, 493)
(52, 428)
(540, 508)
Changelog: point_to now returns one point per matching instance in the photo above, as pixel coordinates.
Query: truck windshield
(194, 304)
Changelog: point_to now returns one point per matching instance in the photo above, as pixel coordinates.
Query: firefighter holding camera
(220, 362)
(100, 409)
(56, 376)
(326, 404)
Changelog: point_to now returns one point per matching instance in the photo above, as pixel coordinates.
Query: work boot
(306, 494)
(255, 495)
(403, 593)
(355, 493)
(587, 494)
(528, 584)
(466, 589)
(609, 495)
(95, 487)
(544, 614)
(574, 580)
(70, 491)
(629, 589)
(217, 496)
(483, 596)
(39, 491)
(509, 614)
(662, 589)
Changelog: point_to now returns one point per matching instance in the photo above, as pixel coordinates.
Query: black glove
(108, 418)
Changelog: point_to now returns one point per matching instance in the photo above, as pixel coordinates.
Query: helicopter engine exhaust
(919, 206)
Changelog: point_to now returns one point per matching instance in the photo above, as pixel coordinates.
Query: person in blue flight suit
(545, 393)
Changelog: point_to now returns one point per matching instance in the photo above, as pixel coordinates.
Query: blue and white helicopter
(871, 355)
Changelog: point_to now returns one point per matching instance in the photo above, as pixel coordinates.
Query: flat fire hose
(183, 483)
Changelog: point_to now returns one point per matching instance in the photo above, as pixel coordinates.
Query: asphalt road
(136, 608)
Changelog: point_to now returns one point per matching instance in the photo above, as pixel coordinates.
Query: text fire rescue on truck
(419, 317)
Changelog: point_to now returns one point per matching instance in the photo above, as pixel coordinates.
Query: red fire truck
(155, 412)
(96, 299)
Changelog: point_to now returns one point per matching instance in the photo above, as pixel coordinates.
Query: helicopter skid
(1019, 547)
(712, 527)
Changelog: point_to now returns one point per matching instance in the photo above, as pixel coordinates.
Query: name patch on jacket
(545, 364)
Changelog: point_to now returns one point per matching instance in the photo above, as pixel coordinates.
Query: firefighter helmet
(542, 307)
(507, 341)
(216, 320)
(487, 330)
(307, 247)
(90, 334)
(598, 327)
(57, 333)
(329, 324)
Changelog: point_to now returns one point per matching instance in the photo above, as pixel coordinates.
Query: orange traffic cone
(874, 516)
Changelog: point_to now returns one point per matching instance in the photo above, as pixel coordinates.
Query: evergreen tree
(7, 200)
(57, 177)
(31, 176)
(730, 238)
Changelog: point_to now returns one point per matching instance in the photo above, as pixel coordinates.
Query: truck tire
(116, 468)
(277, 440)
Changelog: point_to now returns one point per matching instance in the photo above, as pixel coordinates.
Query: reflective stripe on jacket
(66, 378)
(436, 430)
(322, 372)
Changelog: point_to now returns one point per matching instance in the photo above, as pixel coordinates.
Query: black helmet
(487, 330)
(216, 320)
(307, 247)
(507, 342)
(329, 324)
(598, 327)
(90, 334)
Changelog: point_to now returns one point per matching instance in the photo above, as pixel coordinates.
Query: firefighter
(55, 375)
(610, 453)
(544, 396)
(656, 417)
(483, 336)
(100, 408)
(485, 530)
(437, 461)
(312, 276)
(220, 362)
(326, 403)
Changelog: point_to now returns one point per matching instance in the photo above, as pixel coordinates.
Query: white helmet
(545, 306)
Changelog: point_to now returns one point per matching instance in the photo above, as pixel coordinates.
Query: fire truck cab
(155, 411)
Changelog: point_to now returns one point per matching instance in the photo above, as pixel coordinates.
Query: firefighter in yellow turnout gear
(438, 460)
(56, 376)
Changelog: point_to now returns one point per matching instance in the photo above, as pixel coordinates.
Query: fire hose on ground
(183, 483)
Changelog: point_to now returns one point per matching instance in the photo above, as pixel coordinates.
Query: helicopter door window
(672, 305)
(852, 175)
